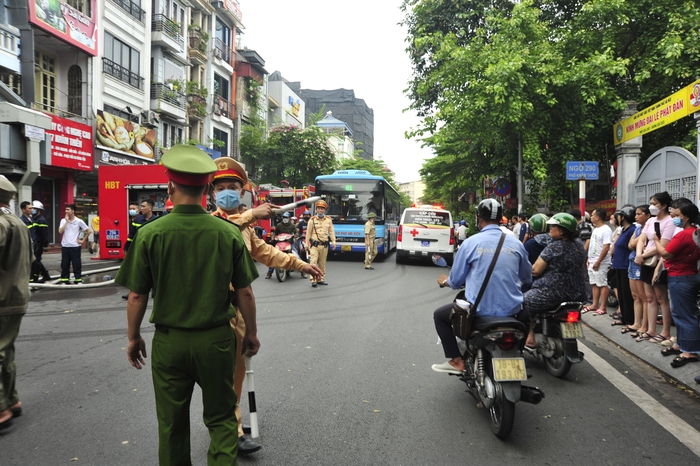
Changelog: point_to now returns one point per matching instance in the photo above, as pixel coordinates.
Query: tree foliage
(551, 75)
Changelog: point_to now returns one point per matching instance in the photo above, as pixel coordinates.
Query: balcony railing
(222, 107)
(134, 9)
(222, 51)
(117, 71)
(162, 92)
(162, 23)
(59, 112)
(9, 41)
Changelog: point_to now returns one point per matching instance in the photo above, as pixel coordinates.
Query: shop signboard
(119, 136)
(66, 22)
(71, 144)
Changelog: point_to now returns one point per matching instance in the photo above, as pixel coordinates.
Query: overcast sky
(354, 45)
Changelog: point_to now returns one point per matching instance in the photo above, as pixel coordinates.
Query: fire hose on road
(56, 285)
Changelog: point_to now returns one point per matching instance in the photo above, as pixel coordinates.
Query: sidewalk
(644, 350)
(52, 262)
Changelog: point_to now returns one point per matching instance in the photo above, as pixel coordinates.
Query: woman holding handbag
(656, 294)
(681, 257)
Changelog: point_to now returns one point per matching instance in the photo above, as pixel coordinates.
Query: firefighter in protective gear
(319, 236)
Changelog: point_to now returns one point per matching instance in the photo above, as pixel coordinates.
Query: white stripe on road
(680, 429)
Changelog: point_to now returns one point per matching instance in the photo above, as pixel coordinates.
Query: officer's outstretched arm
(246, 306)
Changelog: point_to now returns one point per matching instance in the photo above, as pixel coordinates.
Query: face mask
(321, 215)
(677, 221)
(34, 212)
(285, 220)
(132, 213)
(228, 199)
(654, 210)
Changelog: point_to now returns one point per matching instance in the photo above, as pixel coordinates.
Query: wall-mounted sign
(296, 106)
(67, 23)
(118, 135)
(109, 158)
(34, 132)
(71, 144)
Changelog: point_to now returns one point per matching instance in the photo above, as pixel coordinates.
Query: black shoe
(246, 429)
(269, 275)
(247, 446)
(697, 379)
(314, 284)
(47, 277)
(369, 268)
(322, 283)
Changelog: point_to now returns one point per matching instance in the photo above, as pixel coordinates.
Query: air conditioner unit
(217, 53)
(149, 117)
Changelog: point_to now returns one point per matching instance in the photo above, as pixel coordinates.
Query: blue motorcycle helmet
(286, 215)
(462, 222)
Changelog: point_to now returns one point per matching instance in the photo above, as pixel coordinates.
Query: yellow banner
(662, 113)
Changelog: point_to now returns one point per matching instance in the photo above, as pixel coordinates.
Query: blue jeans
(684, 290)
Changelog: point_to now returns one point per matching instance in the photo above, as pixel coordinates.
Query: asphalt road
(343, 378)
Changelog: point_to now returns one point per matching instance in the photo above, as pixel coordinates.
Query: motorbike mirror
(439, 260)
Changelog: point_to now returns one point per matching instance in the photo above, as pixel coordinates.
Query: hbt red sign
(71, 144)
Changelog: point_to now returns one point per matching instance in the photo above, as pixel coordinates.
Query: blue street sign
(581, 171)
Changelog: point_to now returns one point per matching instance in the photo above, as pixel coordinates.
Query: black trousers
(71, 256)
(443, 325)
(37, 267)
(624, 296)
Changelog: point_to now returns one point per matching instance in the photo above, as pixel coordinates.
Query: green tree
(376, 167)
(551, 75)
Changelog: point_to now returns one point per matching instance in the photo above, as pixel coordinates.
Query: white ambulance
(425, 231)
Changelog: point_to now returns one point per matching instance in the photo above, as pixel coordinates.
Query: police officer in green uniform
(193, 341)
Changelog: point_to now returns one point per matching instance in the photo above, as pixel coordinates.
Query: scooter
(283, 242)
(495, 367)
(556, 331)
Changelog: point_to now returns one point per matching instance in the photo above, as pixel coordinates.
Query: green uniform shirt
(189, 257)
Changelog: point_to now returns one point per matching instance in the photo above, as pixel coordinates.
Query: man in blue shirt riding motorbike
(503, 295)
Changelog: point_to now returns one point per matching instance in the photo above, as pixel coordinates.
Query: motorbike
(495, 368)
(283, 242)
(556, 331)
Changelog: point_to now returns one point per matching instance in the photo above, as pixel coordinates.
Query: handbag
(463, 312)
(651, 261)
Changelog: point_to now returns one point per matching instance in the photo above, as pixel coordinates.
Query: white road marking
(676, 426)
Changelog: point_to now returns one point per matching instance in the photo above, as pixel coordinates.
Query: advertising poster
(71, 144)
(116, 134)
(65, 22)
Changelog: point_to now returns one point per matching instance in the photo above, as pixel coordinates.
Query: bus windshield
(352, 200)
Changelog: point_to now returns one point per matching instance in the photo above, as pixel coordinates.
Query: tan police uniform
(370, 240)
(319, 236)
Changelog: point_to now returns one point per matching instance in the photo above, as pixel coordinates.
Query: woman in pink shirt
(656, 293)
(681, 257)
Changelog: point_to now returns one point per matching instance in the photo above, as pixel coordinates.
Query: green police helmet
(371, 215)
(563, 220)
(538, 223)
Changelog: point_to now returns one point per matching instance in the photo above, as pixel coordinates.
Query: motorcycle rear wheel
(281, 274)
(558, 365)
(502, 413)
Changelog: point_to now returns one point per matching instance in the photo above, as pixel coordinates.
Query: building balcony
(167, 33)
(230, 9)
(168, 101)
(63, 113)
(222, 108)
(9, 48)
(133, 9)
(223, 54)
(121, 73)
(197, 49)
(196, 107)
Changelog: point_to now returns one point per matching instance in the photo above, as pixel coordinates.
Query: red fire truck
(281, 196)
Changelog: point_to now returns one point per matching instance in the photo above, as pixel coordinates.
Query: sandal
(644, 336)
(616, 316)
(586, 309)
(600, 312)
(628, 329)
(670, 351)
(658, 338)
(616, 322)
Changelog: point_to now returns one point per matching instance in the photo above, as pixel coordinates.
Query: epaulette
(5, 210)
(224, 219)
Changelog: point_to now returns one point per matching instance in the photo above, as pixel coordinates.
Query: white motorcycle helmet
(38, 205)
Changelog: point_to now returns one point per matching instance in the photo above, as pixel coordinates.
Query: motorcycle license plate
(509, 369)
(346, 248)
(571, 330)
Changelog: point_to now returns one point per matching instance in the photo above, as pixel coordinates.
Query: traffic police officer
(229, 180)
(320, 234)
(370, 241)
(193, 341)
